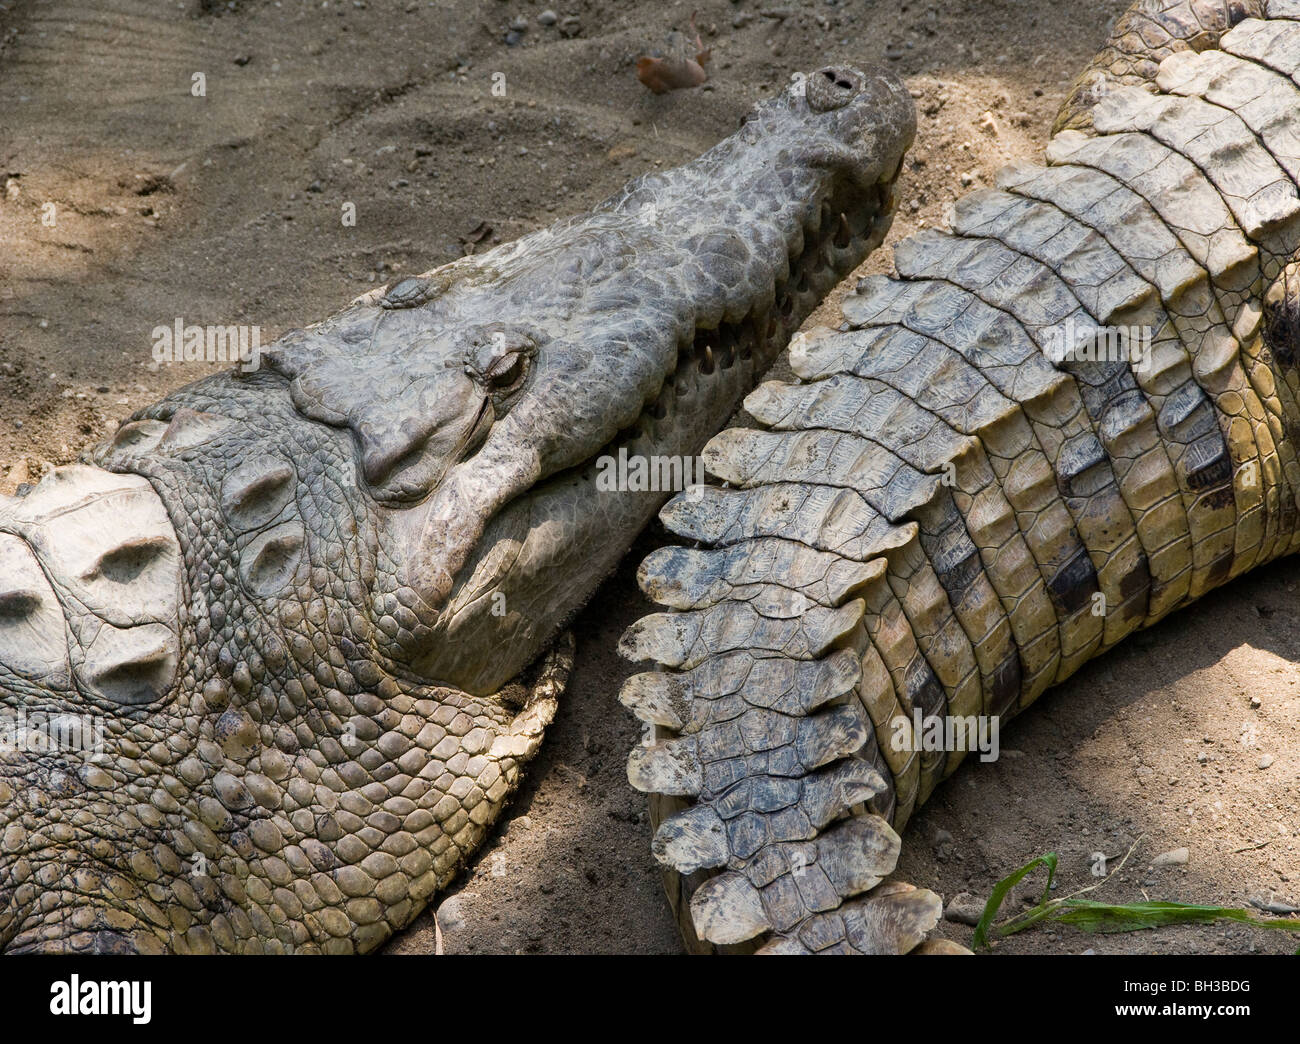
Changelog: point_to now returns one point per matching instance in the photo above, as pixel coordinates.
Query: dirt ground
(225, 207)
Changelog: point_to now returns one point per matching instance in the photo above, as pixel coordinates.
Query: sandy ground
(225, 208)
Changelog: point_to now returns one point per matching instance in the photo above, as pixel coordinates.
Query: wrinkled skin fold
(273, 656)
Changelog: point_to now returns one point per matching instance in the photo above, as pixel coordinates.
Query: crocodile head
(272, 657)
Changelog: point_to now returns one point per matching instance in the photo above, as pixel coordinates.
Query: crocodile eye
(499, 359)
(507, 371)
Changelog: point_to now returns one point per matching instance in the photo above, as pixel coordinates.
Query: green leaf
(1091, 916)
(1131, 917)
(1000, 891)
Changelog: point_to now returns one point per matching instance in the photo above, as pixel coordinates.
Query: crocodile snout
(90, 587)
(833, 87)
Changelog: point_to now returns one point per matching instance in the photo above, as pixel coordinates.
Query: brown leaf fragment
(675, 72)
(662, 75)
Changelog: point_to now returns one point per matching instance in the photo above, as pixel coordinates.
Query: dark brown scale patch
(1080, 467)
(1221, 497)
(923, 688)
(1137, 580)
(1220, 569)
(924, 693)
(1209, 467)
(1074, 584)
(1190, 420)
(1005, 685)
(1135, 589)
(1282, 316)
(954, 557)
(959, 575)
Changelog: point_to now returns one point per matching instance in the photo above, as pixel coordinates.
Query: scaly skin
(940, 517)
(296, 599)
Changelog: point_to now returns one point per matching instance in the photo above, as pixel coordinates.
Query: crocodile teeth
(843, 235)
(91, 585)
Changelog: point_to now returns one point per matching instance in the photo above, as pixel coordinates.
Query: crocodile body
(315, 610)
(311, 611)
(960, 501)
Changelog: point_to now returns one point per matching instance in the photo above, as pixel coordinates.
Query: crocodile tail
(1142, 37)
(1061, 420)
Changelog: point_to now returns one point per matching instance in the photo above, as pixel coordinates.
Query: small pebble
(1174, 857)
(451, 914)
(547, 17)
(964, 909)
(1265, 761)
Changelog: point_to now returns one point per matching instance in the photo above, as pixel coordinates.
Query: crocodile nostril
(125, 563)
(832, 88)
(131, 666)
(14, 604)
(33, 638)
(255, 492)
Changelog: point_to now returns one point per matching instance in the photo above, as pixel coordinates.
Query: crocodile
(274, 655)
(1072, 412)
